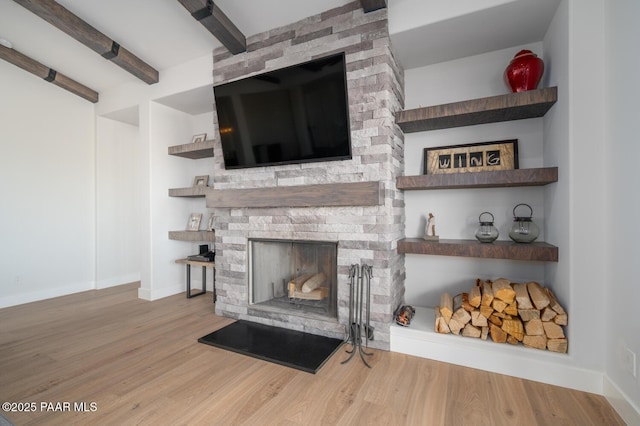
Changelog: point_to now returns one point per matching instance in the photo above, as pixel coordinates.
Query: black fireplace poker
(359, 328)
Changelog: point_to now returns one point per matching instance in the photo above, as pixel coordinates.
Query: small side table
(204, 266)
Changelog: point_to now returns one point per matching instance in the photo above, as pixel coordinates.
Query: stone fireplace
(351, 205)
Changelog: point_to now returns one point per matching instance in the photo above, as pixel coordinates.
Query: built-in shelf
(192, 192)
(195, 236)
(512, 106)
(194, 150)
(537, 251)
(495, 179)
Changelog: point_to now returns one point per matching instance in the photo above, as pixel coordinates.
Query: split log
(534, 328)
(538, 296)
(557, 345)
(502, 315)
(314, 282)
(512, 309)
(485, 333)
(498, 305)
(446, 306)
(512, 340)
(441, 324)
(478, 320)
(561, 319)
(553, 302)
(486, 311)
(502, 290)
(458, 320)
(487, 293)
(522, 296)
(513, 327)
(547, 314)
(475, 297)
(470, 331)
(497, 334)
(465, 302)
(553, 330)
(536, 342)
(528, 314)
(494, 319)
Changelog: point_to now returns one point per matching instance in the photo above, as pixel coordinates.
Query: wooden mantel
(322, 195)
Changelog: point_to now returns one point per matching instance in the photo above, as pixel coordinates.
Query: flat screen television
(291, 115)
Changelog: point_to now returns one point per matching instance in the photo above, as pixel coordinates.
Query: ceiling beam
(218, 24)
(26, 63)
(61, 18)
(371, 5)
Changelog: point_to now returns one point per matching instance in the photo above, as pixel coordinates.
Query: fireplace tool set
(359, 327)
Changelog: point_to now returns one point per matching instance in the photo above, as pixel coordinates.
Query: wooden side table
(204, 266)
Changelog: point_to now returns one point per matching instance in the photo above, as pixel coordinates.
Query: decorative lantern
(486, 232)
(523, 229)
(524, 71)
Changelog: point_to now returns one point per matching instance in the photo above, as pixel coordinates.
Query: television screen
(291, 115)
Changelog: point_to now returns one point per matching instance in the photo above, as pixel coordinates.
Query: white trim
(43, 294)
(113, 282)
(623, 405)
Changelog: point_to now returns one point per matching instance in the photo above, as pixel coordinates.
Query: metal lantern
(486, 232)
(523, 229)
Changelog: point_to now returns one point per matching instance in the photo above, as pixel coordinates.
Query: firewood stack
(508, 312)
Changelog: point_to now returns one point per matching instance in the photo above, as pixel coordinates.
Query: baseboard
(42, 294)
(621, 403)
(113, 282)
(155, 294)
(513, 360)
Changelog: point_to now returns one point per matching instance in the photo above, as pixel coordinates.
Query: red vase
(524, 71)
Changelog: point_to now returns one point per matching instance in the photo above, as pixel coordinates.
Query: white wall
(119, 221)
(47, 182)
(622, 202)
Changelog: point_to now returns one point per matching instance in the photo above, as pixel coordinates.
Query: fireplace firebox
(295, 277)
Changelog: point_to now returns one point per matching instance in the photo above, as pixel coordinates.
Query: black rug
(295, 349)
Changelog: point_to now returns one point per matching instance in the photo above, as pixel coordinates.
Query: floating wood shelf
(512, 106)
(193, 151)
(497, 179)
(195, 236)
(192, 192)
(538, 251)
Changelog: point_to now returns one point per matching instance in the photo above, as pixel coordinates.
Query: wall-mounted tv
(291, 115)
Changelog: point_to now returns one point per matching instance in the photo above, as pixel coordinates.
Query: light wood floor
(140, 363)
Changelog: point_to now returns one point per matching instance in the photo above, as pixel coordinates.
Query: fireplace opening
(296, 277)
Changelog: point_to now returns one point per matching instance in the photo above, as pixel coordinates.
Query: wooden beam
(321, 195)
(371, 5)
(64, 20)
(26, 63)
(218, 24)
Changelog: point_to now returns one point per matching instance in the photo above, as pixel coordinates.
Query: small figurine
(430, 229)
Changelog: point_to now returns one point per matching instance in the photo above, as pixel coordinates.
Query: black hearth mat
(295, 349)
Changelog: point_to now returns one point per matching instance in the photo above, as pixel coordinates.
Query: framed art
(474, 157)
(210, 223)
(194, 222)
(201, 180)
(199, 138)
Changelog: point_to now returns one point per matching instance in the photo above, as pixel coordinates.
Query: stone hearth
(364, 233)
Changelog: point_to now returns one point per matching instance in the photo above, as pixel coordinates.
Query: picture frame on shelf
(201, 180)
(473, 157)
(210, 222)
(199, 138)
(194, 222)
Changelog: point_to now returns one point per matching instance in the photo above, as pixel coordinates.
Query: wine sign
(475, 157)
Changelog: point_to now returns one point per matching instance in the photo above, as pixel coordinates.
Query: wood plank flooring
(139, 362)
